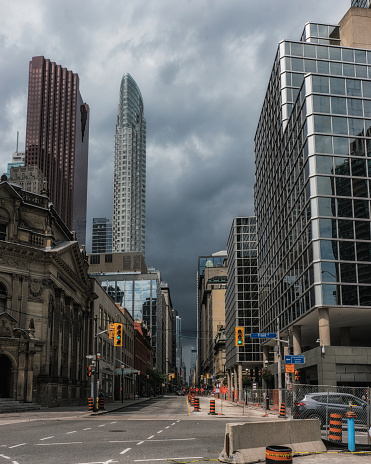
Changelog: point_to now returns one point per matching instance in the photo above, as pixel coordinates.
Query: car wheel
(314, 415)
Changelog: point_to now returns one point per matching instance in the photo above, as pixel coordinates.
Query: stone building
(46, 321)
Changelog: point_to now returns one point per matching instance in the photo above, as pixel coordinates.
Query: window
(94, 259)
(2, 231)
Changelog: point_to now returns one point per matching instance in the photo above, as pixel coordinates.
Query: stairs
(10, 405)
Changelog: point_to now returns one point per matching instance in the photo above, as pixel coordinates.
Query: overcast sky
(202, 67)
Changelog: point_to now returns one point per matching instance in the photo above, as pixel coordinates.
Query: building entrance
(5, 377)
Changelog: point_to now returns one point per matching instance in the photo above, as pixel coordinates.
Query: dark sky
(202, 67)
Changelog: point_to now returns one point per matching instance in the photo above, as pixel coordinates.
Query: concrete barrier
(246, 442)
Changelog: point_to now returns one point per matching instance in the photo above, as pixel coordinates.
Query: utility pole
(96, 365)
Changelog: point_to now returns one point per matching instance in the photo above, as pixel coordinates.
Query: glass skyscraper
(129, 187)
(312, 198)
(102, 235)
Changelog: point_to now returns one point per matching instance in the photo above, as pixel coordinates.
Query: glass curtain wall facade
(102, 235)
(129, 185)
(241, 298)
(313, 180)
(141, 295)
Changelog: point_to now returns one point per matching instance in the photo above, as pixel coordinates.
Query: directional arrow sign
(263, 335)
(299, 359)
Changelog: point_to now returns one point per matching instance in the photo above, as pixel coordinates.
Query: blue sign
(299, 359)
(263, 335)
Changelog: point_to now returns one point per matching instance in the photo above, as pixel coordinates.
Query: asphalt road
(161, 430)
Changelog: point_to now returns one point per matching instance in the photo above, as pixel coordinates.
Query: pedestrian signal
(89, 371)
(297, 376)
(239, 336)
(118, 334)
(111, 331)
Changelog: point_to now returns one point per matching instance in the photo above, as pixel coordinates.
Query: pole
(122, 385)
(279, 364)
(96, 365)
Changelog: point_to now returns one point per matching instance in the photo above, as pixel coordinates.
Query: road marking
(98, 462)
(103, 425)
(68, 433)
(88, 428)
(114, 422)
(167, 427)
(150, 437)
(160, 431)
(47, 438)
(167, 459)
(68, 443)
(5, 457)
(173, 423)
(125, 450)
(175, 439)
(140, 442)
(16, 446)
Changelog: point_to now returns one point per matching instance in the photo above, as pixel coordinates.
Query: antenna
(17, 142)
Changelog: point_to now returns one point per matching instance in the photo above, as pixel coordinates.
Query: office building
(129, 184)
(241, 302)
(312, 200)
(57, 137)
(102, 235)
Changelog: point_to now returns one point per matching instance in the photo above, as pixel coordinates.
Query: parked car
(317, 405)
(180, 392)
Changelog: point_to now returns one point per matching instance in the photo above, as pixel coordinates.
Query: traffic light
(118, 334)
(89, 371)
(297, 376)
(239, 336)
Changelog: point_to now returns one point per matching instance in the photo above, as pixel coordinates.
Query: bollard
(274, 454)
(196, 405)
(192, 400)
(90, 403)
(212, 407)
(335, 428)
(351, 415)
(282, 410)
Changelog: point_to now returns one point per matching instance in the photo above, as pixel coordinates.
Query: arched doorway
(5, 377)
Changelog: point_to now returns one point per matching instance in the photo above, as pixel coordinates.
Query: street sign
(290, 368)
(263, 335)
(299, 359)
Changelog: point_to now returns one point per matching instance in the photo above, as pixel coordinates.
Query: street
(161, 429)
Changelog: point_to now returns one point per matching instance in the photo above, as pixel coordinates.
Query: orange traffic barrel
(90, 403)
(282, 410)
(274, 454)
(212, 407)
(335, 428)
(196, 404)
(192, 400)
(101, 402)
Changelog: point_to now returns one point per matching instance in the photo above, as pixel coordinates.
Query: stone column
(296, 339)
(324, 326)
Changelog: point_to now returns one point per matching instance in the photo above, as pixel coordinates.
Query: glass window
(361, 71)
(297, 64)
(348, 70)
(296, 49)
(341, 145)
(327, 228)
(326, 206)
(366, 88)
(366, 109)
(325, 185)
(359, 167)
(324, 164)
(330, 294)
(355, 107)
(335, 53)
(364, 273)
(310, 66)
(338, 105)
(362, 230)
(343, 187)
(345, 228)
(344, 207)
(348, 272)
(368, 127)
(357, 147)
(359, 188)
(321, 104)
(349, 295)
(361, 209)
(339, 125)
(320, 84)
(342, 166)
(364, 251)
(365, 296)
(347, 54)
(337, 85)
(354, 87)
(360, 56)
(346, 250)
(323, 67)
(330, 271)
(309, 51)
(322, 123)
(355, 126)
(322, 52)
(328, 249)
(323, 144)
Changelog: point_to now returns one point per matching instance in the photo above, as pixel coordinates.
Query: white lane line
(167, 427)
(88, 428)
(52, 444)
(114, 422)
(160, 431)
(16, 446)
(167, 459)
(5, 457)
(150, 437)
(175, 439)
(103, 425)
(125, 450)
(74, 431)
(173, 423)
(140, 442)
(46, 438)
